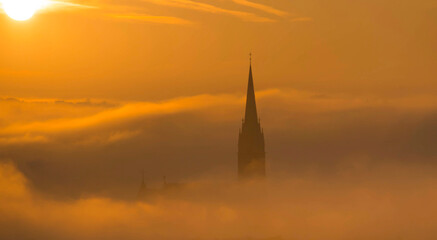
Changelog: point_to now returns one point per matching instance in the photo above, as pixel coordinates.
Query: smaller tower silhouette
(143, 189)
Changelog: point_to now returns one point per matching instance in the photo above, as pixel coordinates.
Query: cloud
(197, 135)
(152, 19)
(98, 116)
(123, 12)
(83, 102)
(134, 12)
(301, 19)
(25, 139)
(44, 120)
(204, 7)
(108, 138)
(69, 4)
(119, 12)
(261, 7)
(371, 204)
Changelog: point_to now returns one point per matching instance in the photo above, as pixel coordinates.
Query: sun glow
(22, 10)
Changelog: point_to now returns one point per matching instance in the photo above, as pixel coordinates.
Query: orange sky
(91, 92)
(105, 66)
(96, 71)
(157, 49)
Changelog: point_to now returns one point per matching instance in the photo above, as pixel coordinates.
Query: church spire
(251, 152)
(143, 189)
(251, 114)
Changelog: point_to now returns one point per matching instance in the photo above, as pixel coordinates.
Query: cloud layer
(138, 10)
(46, 118)
(107, 142)
(387, 202)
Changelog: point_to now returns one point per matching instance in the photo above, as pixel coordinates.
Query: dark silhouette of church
(251, 149)
(167, 189)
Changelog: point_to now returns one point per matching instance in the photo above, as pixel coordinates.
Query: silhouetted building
(251, 152)
(167, 189)
(142, 193)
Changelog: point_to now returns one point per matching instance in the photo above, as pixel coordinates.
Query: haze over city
(218, 119)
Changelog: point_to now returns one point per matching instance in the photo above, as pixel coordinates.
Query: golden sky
(158, 49)
(91, 92)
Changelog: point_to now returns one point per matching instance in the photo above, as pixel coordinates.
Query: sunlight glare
(22, 10)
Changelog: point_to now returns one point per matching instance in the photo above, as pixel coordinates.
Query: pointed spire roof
(251, 114)
(143, 189)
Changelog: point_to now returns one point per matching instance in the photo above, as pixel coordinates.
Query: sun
(22, 10)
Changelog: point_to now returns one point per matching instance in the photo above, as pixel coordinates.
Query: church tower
(143, 190)
(251, 152)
